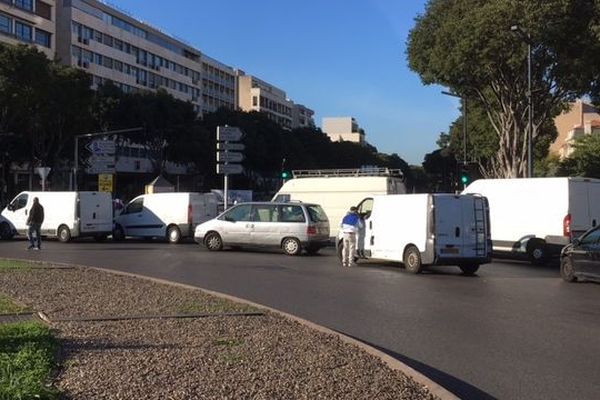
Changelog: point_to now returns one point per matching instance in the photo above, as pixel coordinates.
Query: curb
(433, 387)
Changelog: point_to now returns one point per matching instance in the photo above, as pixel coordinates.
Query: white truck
(425, 229)
(535, 218)
(67, 214)
(165, 215)
(337, 190)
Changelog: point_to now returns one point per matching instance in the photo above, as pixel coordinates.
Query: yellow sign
(105, 183)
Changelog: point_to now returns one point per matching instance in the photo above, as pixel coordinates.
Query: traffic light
(285, 175)
(465, 174)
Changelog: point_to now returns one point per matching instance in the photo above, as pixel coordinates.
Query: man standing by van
(34, 222)
(351, 224)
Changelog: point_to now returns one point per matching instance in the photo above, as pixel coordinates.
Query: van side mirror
(11, 207)
(229, 219)
(576, 242)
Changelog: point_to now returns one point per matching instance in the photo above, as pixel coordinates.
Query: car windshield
(317, 214)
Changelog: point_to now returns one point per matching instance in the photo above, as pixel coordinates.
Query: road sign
(229, 157)
(231, 146)
(100, 168)
(101, 147)
(229, 134)
(94, 159)
(229, 169)
(105, 183)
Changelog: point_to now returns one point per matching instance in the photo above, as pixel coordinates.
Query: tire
(118, 234)
(291, 246)
(412, 260)
(537, 252)
(173, 234)
(567, 271)
(99, 238)
(213, 241)
(469, 269)
(63, 233)
(5, 231)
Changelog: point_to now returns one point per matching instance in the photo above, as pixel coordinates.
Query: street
(513, 331)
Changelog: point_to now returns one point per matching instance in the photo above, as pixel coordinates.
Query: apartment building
(344, 129)
(580, 119)
(302, 117)
(114, 46)
(30, 22)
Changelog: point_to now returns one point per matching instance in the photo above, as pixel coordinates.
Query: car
(581, 259)
(293, 227)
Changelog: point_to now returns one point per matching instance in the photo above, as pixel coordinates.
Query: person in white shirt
(351, 224)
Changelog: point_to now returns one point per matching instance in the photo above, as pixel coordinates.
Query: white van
(337, 190)
(66, 214)
(425, 229)
(536, 217)
(165, 215)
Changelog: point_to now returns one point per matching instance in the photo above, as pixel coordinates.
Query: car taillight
(311, 230)
(567, 225)
(189, 215)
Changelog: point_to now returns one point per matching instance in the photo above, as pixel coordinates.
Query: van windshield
(317, 214)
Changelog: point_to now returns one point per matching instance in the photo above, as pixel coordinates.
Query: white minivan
(67, 214)
(425, 229)
(165, 215)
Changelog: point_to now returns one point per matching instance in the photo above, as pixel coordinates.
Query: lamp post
(464, 104)
(525, 37)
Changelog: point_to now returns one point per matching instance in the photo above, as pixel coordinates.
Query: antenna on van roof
(330, 173)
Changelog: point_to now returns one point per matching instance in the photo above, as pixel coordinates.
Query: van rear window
(317, 214)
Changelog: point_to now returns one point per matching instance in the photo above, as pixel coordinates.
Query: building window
(42, 38)
(24, 4)
(43, 10)
(254, 101)
(5, 24)
(23, 31)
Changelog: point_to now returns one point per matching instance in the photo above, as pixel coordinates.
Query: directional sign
(94, 159)
(101, 147)
(229, 134)
(229, 157)
(229, 169)
(231, 146)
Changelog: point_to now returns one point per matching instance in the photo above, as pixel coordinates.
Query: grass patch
(8, 265)
(8, 307)
(228, 342)
(26, 361)
(214, 306)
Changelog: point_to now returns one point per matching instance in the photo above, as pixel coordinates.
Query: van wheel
(173, 234)
(412, 260)
(5, 231)
(64, 234)
(567, 272)
(118, 234)
(537, 252)
(291, 246)
(469, 269)
(213, 241)
(99, 238)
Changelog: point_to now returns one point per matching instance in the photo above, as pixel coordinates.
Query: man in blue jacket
(351, 224)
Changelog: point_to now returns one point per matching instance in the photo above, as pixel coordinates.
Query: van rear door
(95, 212)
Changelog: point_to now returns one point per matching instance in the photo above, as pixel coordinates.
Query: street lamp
(525, 37)
(464, 103)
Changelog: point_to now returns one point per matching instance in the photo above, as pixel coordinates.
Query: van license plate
(450, 250)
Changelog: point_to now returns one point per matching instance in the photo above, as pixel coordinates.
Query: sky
(338, 57)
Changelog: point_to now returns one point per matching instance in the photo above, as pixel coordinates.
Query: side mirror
(10, 207)
(576, 242)
(229, 219)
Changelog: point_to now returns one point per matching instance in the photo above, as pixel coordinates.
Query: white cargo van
(66, 214)
(337, 190)
(536, 217)
(165, 215)
(425, 229)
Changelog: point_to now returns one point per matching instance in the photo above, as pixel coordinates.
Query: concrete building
(29, 22)
(582, 118)
(114, 46)
(343, 129)
(255, 94)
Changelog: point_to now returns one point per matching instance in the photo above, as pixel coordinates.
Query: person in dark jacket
(34, 222)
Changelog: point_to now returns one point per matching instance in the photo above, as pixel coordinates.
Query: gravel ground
(216, 357)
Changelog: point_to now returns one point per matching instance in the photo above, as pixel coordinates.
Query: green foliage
(8, 307)
(585, 160)
(7, 265)
(26, 361)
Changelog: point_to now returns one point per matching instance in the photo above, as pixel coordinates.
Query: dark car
(581, 259)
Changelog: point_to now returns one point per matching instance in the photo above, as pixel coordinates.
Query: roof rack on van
(325, 173)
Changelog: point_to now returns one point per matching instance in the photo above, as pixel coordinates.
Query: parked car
(581, 259)
(293, 227)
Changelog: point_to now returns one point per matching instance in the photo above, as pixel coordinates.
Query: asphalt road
(514, 331)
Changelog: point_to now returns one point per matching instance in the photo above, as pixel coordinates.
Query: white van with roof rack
(336, 190)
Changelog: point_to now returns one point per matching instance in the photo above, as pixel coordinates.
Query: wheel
(567, 271)
(291, 246)
(173, 234)
(469, 269)
(537, 252)
(118, 234)
(412, 260)
(213, 241)
(64, 234)
(100, 238)
(5, 231)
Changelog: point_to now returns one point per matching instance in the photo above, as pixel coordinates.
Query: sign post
(228, 155)
(43, 173)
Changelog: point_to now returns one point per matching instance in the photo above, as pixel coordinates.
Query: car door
(237, 225)
(366, 235)
(16, 212)
(265, 225)
(292, 222)
(131, 219)
(586, 255)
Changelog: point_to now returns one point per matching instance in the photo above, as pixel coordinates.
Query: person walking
(34, 222)
(351, 224)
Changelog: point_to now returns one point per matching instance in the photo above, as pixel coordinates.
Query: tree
(585, 159)
(467, 46)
